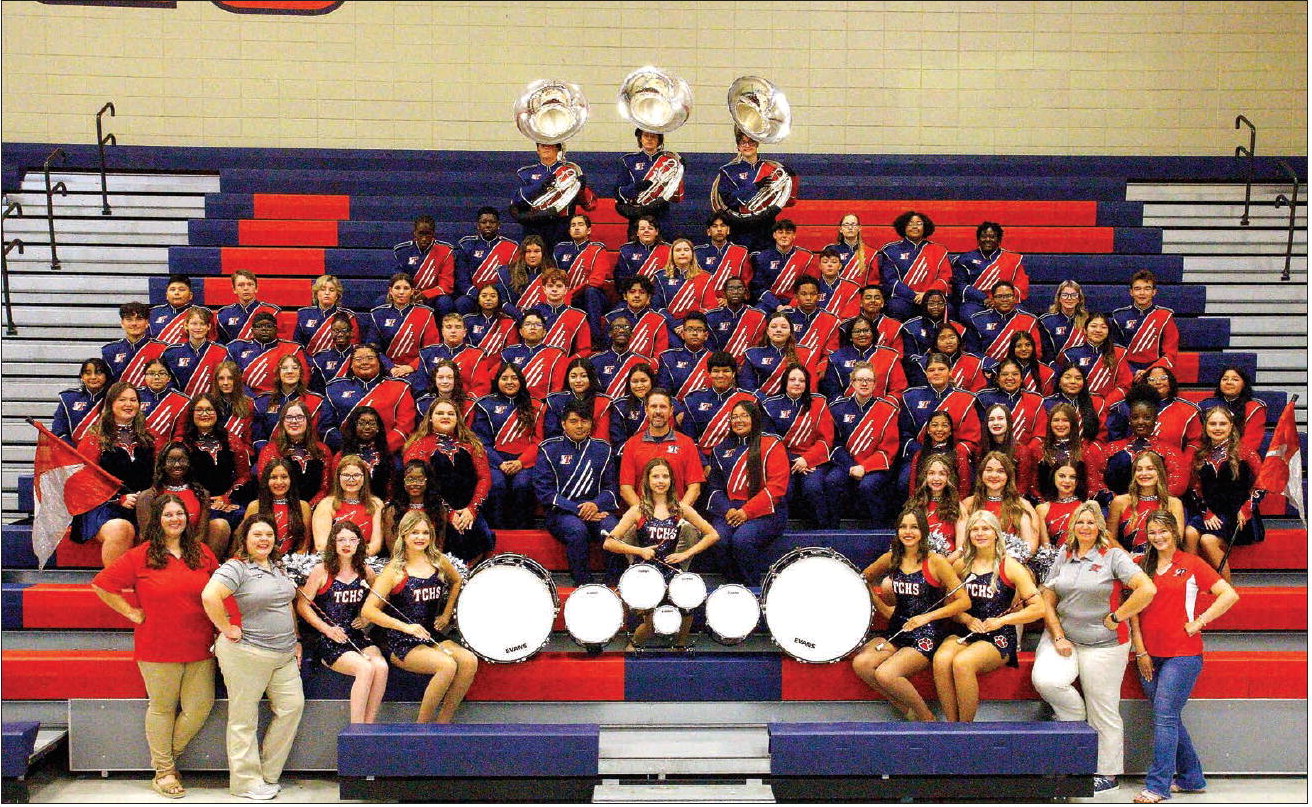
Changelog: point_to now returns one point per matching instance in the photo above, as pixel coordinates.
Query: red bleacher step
(272, 261)
(540, 546)
(284, 292)
(552, 677)
(1226, 674)
(1284, 548)
(301, 206)
(286, 233)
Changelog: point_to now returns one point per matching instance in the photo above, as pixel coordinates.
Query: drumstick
(884, 642)
(325, 618)
(1016, 606)
(398, 612)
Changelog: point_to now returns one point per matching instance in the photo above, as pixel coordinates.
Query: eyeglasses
(348, 539)
(164, 373)
(294, 418)
(356, 477)
(1070, 295)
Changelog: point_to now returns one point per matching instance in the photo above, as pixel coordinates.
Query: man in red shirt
(659, 438)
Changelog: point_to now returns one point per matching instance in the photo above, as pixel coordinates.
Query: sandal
(1177, 789)
(1148, 797)
(173, 790)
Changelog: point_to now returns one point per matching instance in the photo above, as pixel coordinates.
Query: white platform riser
(78, 181)
(145, 232)
(1208, 192)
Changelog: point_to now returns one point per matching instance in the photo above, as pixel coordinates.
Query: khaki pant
(1100, 671)
(250, 673)
(181, 696)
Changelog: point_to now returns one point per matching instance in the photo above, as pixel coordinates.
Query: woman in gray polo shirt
(1087, 635)
(260, 655)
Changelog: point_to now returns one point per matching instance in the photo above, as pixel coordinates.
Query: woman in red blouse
(172, 635)
(1168, 651)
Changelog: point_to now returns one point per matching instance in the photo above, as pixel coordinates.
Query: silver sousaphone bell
(760, 110)
(552, 111)
(656, 101)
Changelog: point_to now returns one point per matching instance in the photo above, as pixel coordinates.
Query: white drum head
(593, 614)
(732, 613)
(665, 620)
(642, 586)
(687, 590)
(505, 612)
(817, 607)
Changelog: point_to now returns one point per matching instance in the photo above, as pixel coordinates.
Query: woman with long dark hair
(421, 585)
(1221, 491)
(171, 634)
(1073, 389)
(765, 364)
(221, 465)
(1062, 443)
(1168, 651)
(1103, 361)
(1000, 436)
(1066, 480)
(451, 385)
(333, 596)
(415, 490)
(802, 418)
(291, 385)
(967, 368)
(293, 440)
(237, 410)
(1036, 376)
(581, 384)
(80, 407)
(911, 584)
(363, 436)
(120, 444)
(749, 492)
(629, 411)
(508, 421)
(1029, 418)
(1234, 391)
(492, 326)
(278, 497)
(174, 474)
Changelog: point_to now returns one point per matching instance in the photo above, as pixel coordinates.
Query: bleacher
(290, 215)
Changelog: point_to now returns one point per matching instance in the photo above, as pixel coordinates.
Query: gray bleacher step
(121, 182)
(121, 205)
(81, 332)
(77, 255)
(1222, 193)
(19, 349)
(1257, 267)
(103, 230)
(747, 791)
(690, 750)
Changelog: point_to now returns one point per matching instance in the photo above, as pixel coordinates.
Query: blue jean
(577, 535)
(748, 543)
(1174, 758)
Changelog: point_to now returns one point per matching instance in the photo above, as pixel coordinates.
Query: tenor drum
(817, 606)
(687, 590)
(732, 613)
(642, 586)
(506, 608)
(593, 615)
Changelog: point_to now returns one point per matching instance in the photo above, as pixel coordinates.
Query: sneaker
(1102, 784)
(261, 792)
(277, 788)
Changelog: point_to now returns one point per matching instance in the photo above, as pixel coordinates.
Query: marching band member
(814, 328)
(1063, 325)
(975, 274)
(764, 364)
(162, 405)
(127, 357)
(365, 385)
(856, 258)
(334, 361)
(508, 421)
(588, 266)
(194, 361)
(538, 205)
(542, 365)
(79, 407)
(936, 496)
(682, 286)
(260, 356)
(859, 346)
(991, 329)
(838, 295)
(1106, 371)
(802, 418)
(649, 329)
(777, 268)
(470, 362)
(168, 322)
(643, 255)
(637, 171)
(566, 326)
(865, 446)
(735, 326)
(460, 477)
(721, 257)
(1234, 391)
(919, 333)
(912, 265)
(432, 264)
(581, 385)
(739, 185)
(479, 256)
(749, 492)
(400, 328)
(683, 369)
(314, 322)
(234, 321)
(1029, 418)
(1146, 330)
(707, 418)
(290, 386)
(613, 366)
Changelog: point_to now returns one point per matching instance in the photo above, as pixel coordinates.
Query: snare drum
(732, 613)
(817, 606)
(593, 615)
(642, 586)
(687, 590)
(666, 620)
(506, 608)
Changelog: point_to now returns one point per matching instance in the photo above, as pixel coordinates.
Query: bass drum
(817, 606)
(506, 609)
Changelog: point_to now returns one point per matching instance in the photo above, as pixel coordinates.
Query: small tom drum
(732, 613)
(593, 615)
(666, 620)
(506, 608)
(642, 586)
(817, 606)
(687, 590)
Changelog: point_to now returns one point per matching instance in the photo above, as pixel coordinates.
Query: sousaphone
(760, 110)
(656, 101)
(550, 112)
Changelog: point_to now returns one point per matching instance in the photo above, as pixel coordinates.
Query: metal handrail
(62, 189)
(11, 209)
(1281, 201)
(101, 141)
(1250, 153)
(11, 329)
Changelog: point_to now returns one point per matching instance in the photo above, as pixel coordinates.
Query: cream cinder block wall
(883, 77)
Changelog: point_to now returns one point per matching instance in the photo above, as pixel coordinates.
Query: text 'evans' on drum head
(817, 606)
(666, 619)
(506, 609)
(593, 614)
(642, 586)
(732, 613)
(687, 590)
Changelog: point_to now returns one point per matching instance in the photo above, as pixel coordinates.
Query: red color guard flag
(67, 484)
(1282, 469)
